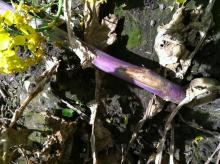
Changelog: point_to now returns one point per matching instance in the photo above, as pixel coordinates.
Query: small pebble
(162, 6)
(152, 23)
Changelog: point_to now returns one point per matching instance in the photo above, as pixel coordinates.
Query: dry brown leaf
(62, 131)
(178, 41)
(98, 33)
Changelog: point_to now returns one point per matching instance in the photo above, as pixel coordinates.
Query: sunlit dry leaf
(99, 32)
(178, 41)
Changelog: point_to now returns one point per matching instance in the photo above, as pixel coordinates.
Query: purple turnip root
(142, 77)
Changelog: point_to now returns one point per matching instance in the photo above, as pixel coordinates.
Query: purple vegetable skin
(139, 76)
(4, 7)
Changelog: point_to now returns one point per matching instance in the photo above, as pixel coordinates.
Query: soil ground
(122, 104)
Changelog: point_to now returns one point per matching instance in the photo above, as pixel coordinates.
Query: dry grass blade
(211, 157)
(2, 93)
(67, 15)
(172, 147)
(167, 127)
(45, 77)
(93, 138)
(93, 109)
(218, 158)
(197, 127)
(78, 47)
(149, 112)
(189, 97)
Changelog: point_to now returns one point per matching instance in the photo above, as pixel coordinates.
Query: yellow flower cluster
(27, 9)
(17, 35)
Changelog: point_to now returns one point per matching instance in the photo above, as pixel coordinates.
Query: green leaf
(180, 1)
(67, 112)
(126, 120)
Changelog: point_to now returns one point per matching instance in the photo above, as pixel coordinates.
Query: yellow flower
(10, 62)
(5, 40)
(7, 17)
(197, 140)
(26, 29)
(27, 9)
(19, 40)
(1, 29)
(27, 38)
(34, 42)
(18, 19)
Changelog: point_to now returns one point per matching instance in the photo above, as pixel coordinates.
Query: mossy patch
(134, 38)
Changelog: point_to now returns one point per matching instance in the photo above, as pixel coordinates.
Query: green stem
(56, 18)
(59, 11)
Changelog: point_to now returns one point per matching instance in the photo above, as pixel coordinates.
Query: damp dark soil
(122, 105)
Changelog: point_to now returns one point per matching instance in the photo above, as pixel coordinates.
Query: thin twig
(172, 146)
(218, 158)
(197, 127)
(185, 101)
(77, 46)
(2, 93)
(93, 138)
(81, 114)
(67, 15)
(211, 157)
(84, 54)
(148, 114)
(93, 109)
(22, 151)
(167, 127)
(45, 77)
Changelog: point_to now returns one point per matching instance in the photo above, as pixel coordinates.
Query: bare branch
(45, 77)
